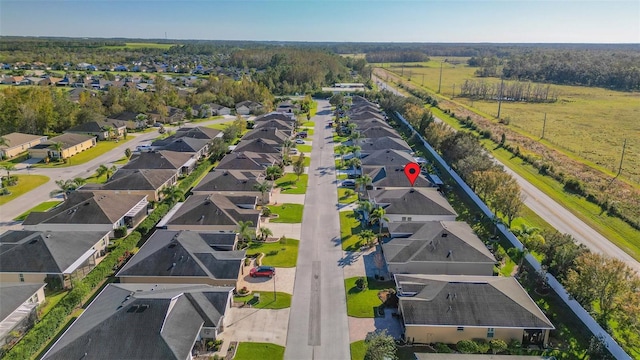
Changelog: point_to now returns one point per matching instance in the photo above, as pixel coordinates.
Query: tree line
(396, 56)
(509, 91)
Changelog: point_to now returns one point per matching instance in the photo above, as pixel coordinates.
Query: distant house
(18, 304)
(131, 120)
(213, 212)
(290, 118)
(248, 107)
(267, 133)
(72, 144)
(185, 257)
(31, 256)
(380, 131)
(438, 248)
(17, 143)
(239, 160)
(218, 109)
(259, 145)
(391, 158)
(173, 116)
(87, 211)
(391, 177)
(236, 181)
(450, 308)
(103, 129)
(369, 145)
(145, 321)
(181, 162)
(286, 127)
(288, 106)
(149, 182)
(37, 81)
(413, 204)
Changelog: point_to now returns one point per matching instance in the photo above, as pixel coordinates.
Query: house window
(404, 218)
(460, 328)
(490, 332)
(409, 218)
(21, 276)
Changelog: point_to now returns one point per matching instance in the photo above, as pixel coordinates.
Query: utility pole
(500, 97)
(422, 79)
(402, 70)
(544, 125)
(624, 145)
(440, 81)
(453, 92)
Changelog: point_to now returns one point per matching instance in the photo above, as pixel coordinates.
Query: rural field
(140, 46)
(586, 123)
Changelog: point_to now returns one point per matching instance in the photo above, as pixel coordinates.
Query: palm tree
(530, 236)
(9, 167)
(3, 141)
(355, 163)
(367, 236)
(265, 233)
(352, 127)
(244, 231)
(379, 215)
(264, 187)
(363, 181)
(111, 170)
(273, 172)
(110, 132)
(342, 150)
(101, 170)
(365, 207)
(67, 186)
(172, 194)
(355, 136)
(59, 146)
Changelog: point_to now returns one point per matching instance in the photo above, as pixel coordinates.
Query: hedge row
(47, 328)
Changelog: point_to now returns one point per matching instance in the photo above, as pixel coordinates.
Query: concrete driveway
(360, 327)
(284, 280)
(256, 325)
(291, 231)
(290, 198)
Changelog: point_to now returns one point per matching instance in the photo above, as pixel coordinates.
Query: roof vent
(449, 254)
(133, 308)
(142, 308)
(201, 217)
(33, 241)
(172, 245)
(444, 235)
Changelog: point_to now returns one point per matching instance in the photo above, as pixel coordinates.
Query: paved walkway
(255, 325)
(360, 327)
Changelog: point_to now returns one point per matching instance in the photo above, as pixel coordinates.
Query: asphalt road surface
(557, 215)
(22, 203)
(318, 326)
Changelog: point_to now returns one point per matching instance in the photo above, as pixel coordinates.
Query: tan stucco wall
(176, 280)
(78, 148)
(450, 335)
(17, 150)
(442, 268)
(28, 277)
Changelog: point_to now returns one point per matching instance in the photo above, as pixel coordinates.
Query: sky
(500, 21)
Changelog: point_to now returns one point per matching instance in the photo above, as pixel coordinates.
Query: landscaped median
(25, 184)
(286, 213)
(256, 350)
(363, 303)
(291, 184)
(282, 253)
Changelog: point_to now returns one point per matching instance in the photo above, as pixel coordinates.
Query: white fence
(577, 309)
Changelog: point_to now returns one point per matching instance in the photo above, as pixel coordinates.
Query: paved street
(318, 326)
(40, 194)
(558, 216)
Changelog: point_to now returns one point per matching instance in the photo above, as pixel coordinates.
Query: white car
(299, 141)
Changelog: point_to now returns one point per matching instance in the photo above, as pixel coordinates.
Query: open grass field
(586, 123)
(262, 351)
(278, 254)
(40, 207)
(267, 301)
(25, 184)
(287, 213)
(290, 184)
(140, 46)
(362, 303)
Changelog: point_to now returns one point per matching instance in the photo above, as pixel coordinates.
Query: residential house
(239, 160)
(173, 116)
(259, 145)
(72, 144)
(36, 81)
(145, 321)
(413, 204)
(54, 257)
(17, 143)
(198, 147)
(88, 211)
(392, 177)
(131, 120)
(391, 158)
(185, 257)
(103, 129)
(218, 109)
(236, 181)
(438, 248)
(380, 131)
(11, 80)
(181, 162)
(450, 308)
(290, 118)
(286, 127)
(366, 124)
(371, 145)
(365, 115)
(148, 182)
(288, 106)
(213, 212)
(267, 133)
(18, 304)
(198, 132)
(248, 107)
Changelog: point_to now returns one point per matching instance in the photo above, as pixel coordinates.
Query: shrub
(483, 346)
(467, 346)
(498, 346)
(127, 153)
(574, 185)
(361, 283)
(120, 232)
(443, 348)
(266, 211)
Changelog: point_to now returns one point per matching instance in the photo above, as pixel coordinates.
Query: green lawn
(342, 177)
(278, 254)
(25, 184)
(358, 350)
(101, 147)
(199, 120)
(16, 160)
(220, 126)
(306, 149)
(307, 159)
(339, 139)
(508, 267)
(41, 207)
(282, 300)
(95, 179)
(50, 301)
(346, 196)
(362, 303)
(349, 228)
(256, 350)
(289, 185)
(309, 124)
(288, 213)
(122, 161)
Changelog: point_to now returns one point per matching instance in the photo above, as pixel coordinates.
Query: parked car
(348, 183)
(299, 141)
(302, 135)
(263, 271)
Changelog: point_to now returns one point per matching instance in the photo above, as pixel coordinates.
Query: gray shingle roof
(439, 241)
(369, 145)
(142, 321)
(457, 300)
(274, 116)
(268, 133)
(379, 131)
(68, 140)
(198, 132)
(52, 252)
(185, 253)
(392, 176)
(12, 295)
(246, 160)
(215, 209)
(15, 139)
(275, 123)
(184, 144)
(416, 201)
(369, 123)
(85, 207)
(159, 160)
(387, 157)
(134, 179)
(259, 145)
(230, 180)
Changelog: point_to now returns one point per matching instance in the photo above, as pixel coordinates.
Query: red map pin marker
(412, 171)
